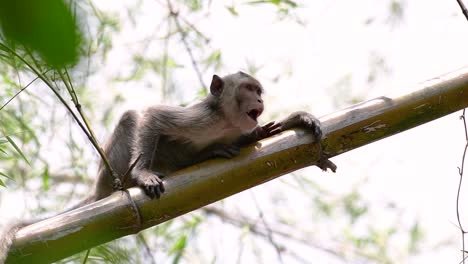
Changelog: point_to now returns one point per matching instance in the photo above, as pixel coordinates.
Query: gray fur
(184, 136)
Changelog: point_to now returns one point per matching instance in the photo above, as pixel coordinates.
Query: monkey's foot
(151, 184)
(117, 184)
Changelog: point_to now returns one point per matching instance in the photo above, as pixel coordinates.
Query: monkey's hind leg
(118, 151)
(149, 180)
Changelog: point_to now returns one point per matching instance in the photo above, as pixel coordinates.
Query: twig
(277, 247)
(17, 93)
(164, 61)
(463, 8)
(92, 137)
(254, 228)
(127, 173)
(183, 34)
(463, 260)
(460, 172)
(142, 240)
(194, 28)
(86, 256)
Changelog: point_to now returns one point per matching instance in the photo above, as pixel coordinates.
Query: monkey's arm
(307, 121)
(227, 151)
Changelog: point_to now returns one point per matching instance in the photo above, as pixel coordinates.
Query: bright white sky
(416, 169)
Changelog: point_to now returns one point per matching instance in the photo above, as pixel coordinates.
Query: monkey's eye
(249, 87)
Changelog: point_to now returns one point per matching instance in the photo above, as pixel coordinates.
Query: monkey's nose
(260, 101)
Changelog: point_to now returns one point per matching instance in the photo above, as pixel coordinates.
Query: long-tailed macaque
(169, 138)
(163, 139)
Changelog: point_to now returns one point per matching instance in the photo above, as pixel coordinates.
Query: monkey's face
(240, 96)
(250, 104)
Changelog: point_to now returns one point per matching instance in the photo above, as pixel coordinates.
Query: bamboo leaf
(17, 149)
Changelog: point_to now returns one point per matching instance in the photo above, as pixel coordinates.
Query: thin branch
(85, 259)
(463, 8)
(460, 171)
(142, 241)
(183, 34)
(275, 245)
(17, 93)
(92, 137)
(463, 260)
(165, 60)
(254, 228)
(195, 29)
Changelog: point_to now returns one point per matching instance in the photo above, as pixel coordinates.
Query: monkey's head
(240, 97)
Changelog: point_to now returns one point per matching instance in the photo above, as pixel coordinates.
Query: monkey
(162, 139)
(172, 138)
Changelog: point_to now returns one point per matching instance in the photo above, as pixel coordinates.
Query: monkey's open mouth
(254, 114)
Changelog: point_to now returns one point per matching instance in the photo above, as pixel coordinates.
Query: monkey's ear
(216, 86)
(244, 74)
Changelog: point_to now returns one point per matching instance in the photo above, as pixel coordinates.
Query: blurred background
(392, 201)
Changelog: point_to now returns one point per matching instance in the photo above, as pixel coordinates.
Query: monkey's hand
(267, 130)
(259, 133)
(150, 183)
(309, 122)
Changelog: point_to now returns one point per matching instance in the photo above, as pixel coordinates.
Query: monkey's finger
(157, 191)
(274, 132)
(160, 185)
(149, 192)
(275, 126)
(268, 125)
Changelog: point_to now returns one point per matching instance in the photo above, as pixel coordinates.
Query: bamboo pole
(210, 181)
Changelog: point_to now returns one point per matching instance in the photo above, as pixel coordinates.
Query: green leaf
(179, 244)
(2, 183)
(6, 176)
(257, 2)
(416, 235)
(45, 178)
(232, 10)
(18, 150)
(178, 248)
(47, 27)
(3, 151)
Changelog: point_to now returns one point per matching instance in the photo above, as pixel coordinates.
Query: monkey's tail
(8, 235)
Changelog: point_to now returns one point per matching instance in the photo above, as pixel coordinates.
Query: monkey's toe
(317, 132)
(313, 124)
